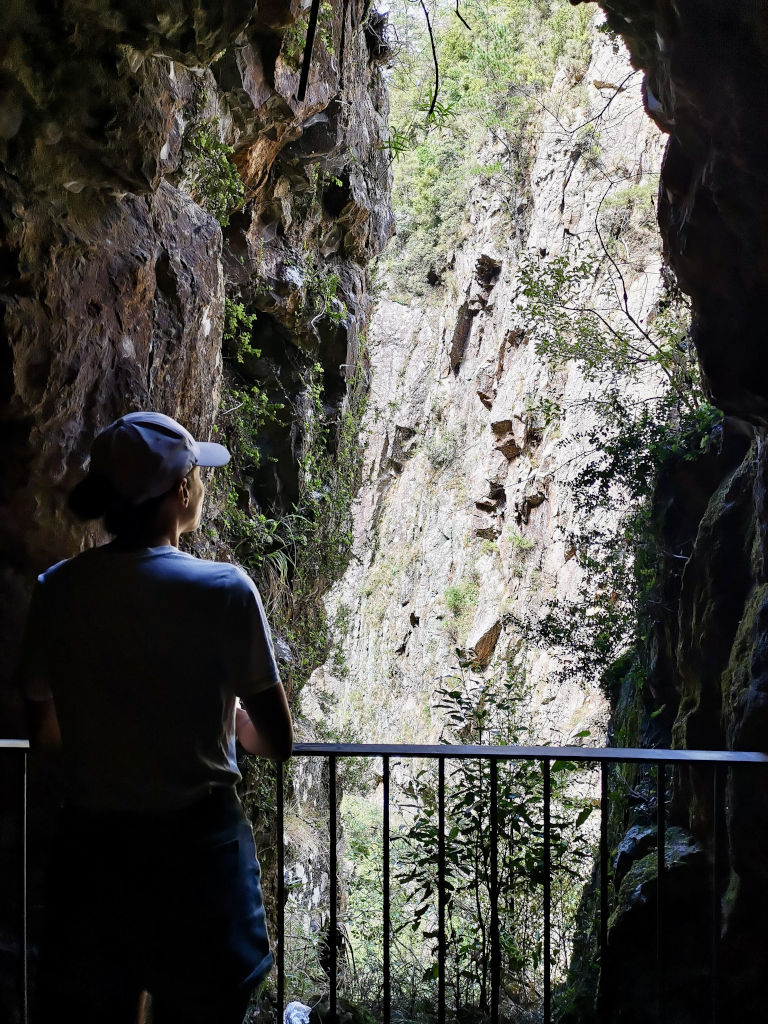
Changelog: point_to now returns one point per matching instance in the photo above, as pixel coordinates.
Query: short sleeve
(33, 667)
(252, 663)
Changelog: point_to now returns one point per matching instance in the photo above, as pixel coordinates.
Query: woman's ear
(183, 492)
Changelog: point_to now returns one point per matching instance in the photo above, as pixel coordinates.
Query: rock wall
(464, 522)
(704, 84)
(114, 274)
(124, 227)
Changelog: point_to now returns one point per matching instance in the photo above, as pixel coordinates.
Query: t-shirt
(144, 653)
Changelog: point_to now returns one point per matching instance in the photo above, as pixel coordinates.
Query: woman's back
(145, 651)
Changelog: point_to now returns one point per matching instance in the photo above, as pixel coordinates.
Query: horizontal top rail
(640, 755)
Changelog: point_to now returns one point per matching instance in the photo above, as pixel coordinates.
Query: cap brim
(212, 454)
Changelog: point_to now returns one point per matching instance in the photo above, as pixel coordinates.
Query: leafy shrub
(648, 409)
(442, 450)
(490, 711)
(216, 183)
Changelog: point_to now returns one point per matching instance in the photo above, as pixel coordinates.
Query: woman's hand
(263, 726)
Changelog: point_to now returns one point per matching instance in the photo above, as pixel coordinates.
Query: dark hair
(95, 498)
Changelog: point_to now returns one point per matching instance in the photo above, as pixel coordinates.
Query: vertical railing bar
(333, 872)
(24, 893)
(718, 809)
(386, 911)
(495, 938)
(280, 783)
(545, 766)
(604, 974)
(660, 851)
(441, 944)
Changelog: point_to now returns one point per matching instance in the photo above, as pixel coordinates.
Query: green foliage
(296, 554)
(642, 195)
(519, 541)
(458, 599)
(491, 711)
(319, 292)
(246, 410)
(461, 602)
(237, 338)
(295, 36)
(341, 624)
(330, 469)
(215, 181)
(648, 410)
(491, 79)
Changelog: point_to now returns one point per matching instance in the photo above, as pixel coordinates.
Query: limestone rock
(482, 642)
(472, 525)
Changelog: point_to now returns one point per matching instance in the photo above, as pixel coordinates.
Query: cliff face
(465, 521)
(114, 271)
(705, 85)
(705, 72)
(155, 163)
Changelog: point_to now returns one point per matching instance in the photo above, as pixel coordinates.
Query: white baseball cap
(144, 454)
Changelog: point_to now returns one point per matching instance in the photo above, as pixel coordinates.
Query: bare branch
(463, 22)
(434, 59)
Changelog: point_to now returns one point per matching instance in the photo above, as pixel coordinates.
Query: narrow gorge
(491, 367)
(466, 520)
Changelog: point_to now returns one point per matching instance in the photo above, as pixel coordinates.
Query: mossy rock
(639, 884)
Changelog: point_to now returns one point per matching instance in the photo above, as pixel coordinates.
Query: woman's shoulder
(162, 564)
(226, 574)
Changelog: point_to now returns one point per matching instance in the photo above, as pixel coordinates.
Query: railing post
(441, 899)
(604, 814)
(24, 893)
(333, 871)
(280, 783)
(718, 814)
(660, 869)
(547, 776)
(386, 897)
(495, 943)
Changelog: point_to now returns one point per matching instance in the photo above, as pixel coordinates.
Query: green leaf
(583, 815)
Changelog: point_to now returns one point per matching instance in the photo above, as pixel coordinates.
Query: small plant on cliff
(215, 181)
(239, 325)
(295, 36)
(246, 407)
(443, 449)
(319, 292)
(461, 602)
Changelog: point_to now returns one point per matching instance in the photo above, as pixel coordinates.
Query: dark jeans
(170, 903)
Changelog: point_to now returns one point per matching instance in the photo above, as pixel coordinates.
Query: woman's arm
(263, 725)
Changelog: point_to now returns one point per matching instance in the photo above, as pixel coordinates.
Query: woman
(134, 656)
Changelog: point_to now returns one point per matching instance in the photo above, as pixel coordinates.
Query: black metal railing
(660, 760)
(15, 752)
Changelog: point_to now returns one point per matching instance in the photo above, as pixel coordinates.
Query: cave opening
(482, 471)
